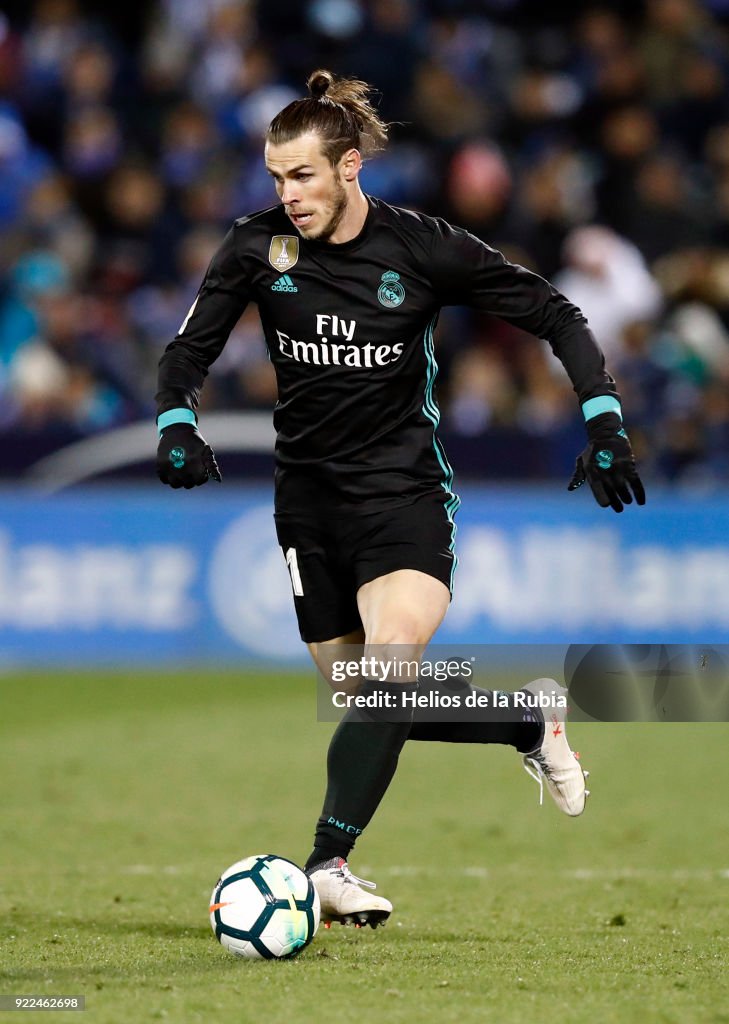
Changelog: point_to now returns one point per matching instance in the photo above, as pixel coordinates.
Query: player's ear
(351, 164)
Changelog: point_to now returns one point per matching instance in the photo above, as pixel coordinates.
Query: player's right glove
(184, 459)
(608, 464)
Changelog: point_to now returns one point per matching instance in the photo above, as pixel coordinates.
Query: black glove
(184, 459)
(608, 464)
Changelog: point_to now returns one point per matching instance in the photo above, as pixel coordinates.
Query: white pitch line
(479, 871)
(581, 874)
(675, 874)
(153, 869)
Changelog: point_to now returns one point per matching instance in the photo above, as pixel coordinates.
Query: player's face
(312, 191)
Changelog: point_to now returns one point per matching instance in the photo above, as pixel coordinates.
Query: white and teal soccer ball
(264, 908)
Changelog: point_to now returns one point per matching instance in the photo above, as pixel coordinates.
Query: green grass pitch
(124, 796)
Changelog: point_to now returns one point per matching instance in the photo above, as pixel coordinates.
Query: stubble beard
(339, 208)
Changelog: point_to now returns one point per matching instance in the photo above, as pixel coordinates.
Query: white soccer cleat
(344, 901)
(553, 761)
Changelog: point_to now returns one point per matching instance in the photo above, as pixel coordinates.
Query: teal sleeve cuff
(597, 406)
(175, 416)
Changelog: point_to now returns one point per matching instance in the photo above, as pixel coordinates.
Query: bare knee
(405, 631)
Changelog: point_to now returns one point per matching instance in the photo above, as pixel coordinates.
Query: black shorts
(330, 558)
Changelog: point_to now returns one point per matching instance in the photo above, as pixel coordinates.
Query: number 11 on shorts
(294, 573)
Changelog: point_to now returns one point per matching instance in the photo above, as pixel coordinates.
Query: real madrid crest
(391, 293)
(284, 252)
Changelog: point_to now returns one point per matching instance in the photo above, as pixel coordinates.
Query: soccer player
(349, 290)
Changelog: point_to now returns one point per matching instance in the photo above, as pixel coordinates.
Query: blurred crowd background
(589, 143)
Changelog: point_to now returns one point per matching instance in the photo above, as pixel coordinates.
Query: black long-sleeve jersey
(349, 330)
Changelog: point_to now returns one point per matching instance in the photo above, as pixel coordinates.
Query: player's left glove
(608, 464)
(184, 458)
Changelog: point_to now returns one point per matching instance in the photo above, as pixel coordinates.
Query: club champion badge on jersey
(284, 252)
(391, 293)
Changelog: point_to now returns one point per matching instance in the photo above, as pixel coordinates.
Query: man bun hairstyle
(339, 111)
(319, 82)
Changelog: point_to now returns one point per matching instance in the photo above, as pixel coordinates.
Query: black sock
(516, 727)
(362, 759)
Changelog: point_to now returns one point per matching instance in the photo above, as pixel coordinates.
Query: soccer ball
(264, 908)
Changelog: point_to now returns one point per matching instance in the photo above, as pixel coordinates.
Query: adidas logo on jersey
(284, 284)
